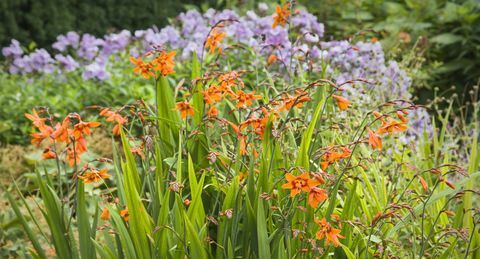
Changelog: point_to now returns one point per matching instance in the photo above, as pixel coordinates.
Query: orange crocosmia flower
(294, 101)
(327, 231)
(227, 80)
(48, 154)
(84, 128)
(342, 103)
(245, 99)
(212, 95)
(242, 176)
(113, 116)
(243, 145)
(94, 176)
(374, 140)
(164, 63)
(319, 177)
(392, 126)
(105, 214)
(254, 150)
(378, 116)
(138, 150)
(324, 165)
(401, 117)
(62, 132)
(214, 39)
(254, 122)
(234, 127)
(281, 15)
(345, 152)
(185, 108)
(423, 183)
(124, 214)
(142, 68)
(448, 183)
(37, 121)
(81, 145)
(116, 129)
(272, 59)
(258, 124)
(212, 112)
(316, 196)
(299, 183)
(267, 115)
(105, 112)
(45, 133)
(331, 156)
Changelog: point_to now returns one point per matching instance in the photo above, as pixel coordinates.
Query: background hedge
(41, 21)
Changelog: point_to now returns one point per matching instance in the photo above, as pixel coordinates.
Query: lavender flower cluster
(189, 30)
(344, 60)
(74, 52)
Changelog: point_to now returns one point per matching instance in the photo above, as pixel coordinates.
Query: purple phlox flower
(41, 61)
(96, 70)
(172, 36)
(67, 62)
(139, 34)
(262, 25)
(223, 15)
(278, 37)
(399, 81)
(419, 122)
(209, 14)
(13, 50)
(89, 47)
(316, 53)
(151, 38)
(241, 32)
(190, 21)
(63, 41)
(116, 42)
(307, 22)
(21, 65)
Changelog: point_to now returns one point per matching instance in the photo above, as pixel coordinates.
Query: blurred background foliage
(41, 21)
